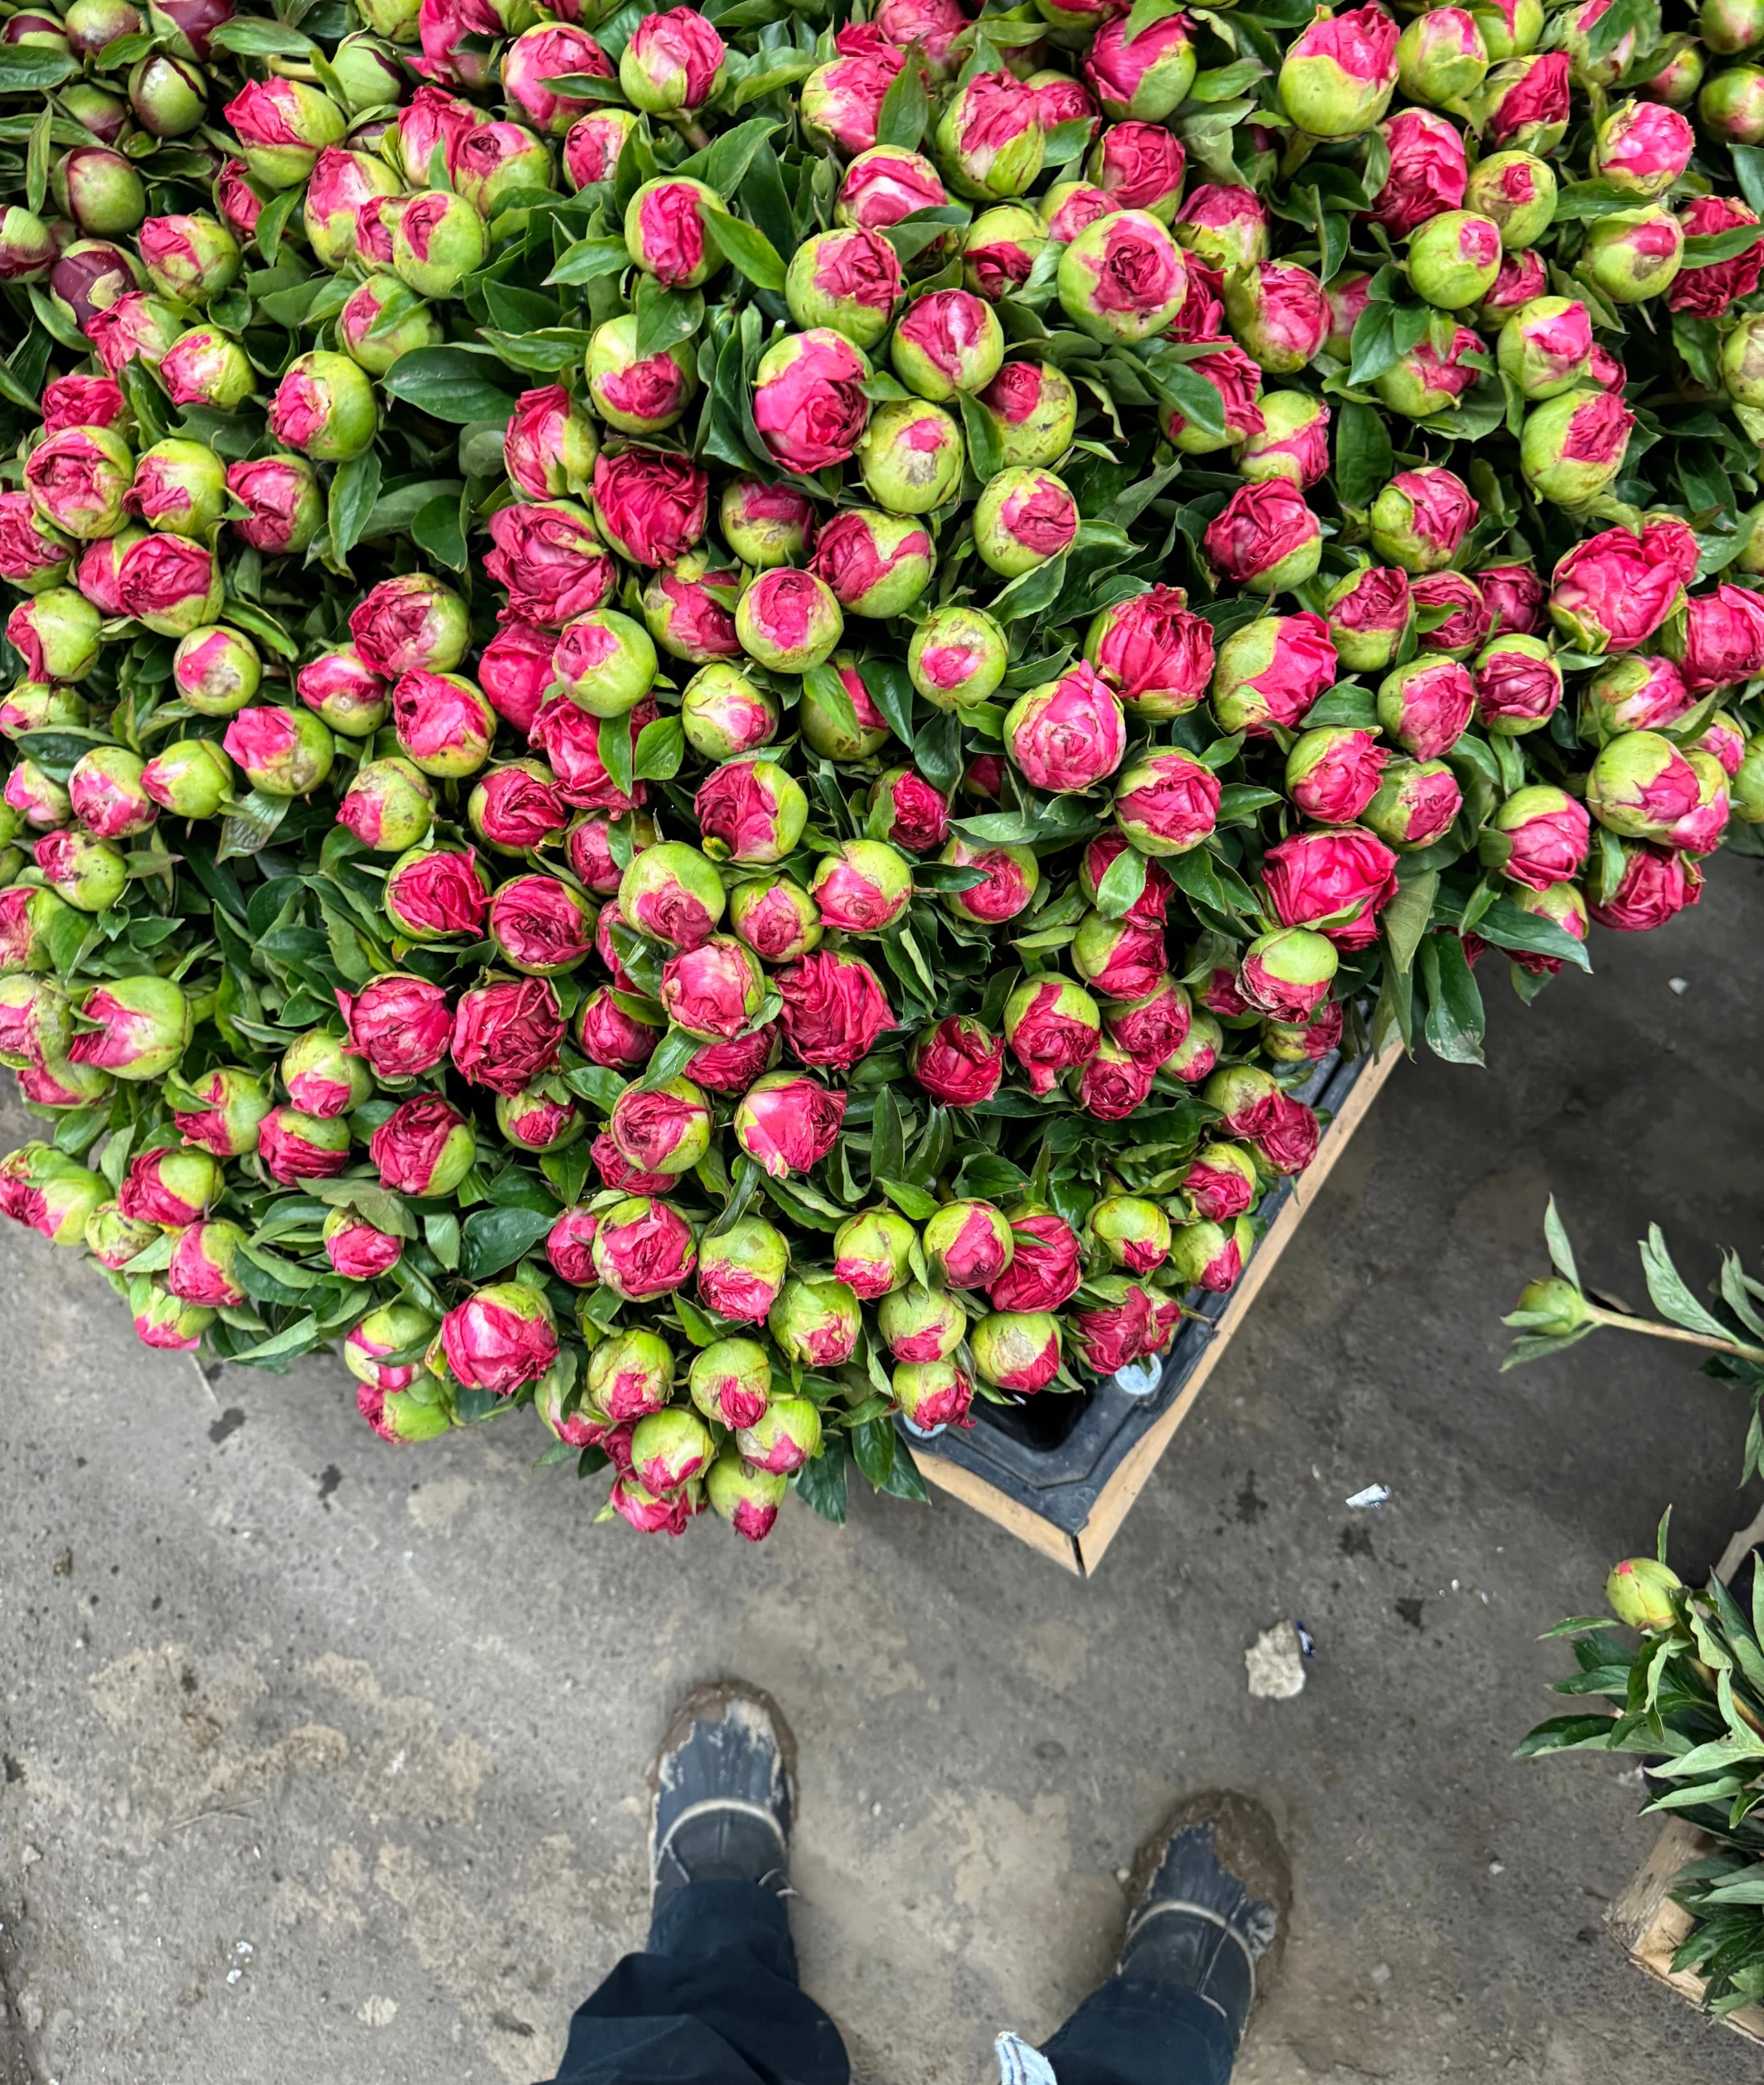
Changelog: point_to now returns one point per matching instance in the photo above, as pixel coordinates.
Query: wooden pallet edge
(1005, 1512)
(1121, 1492)
(1646, 1924)
(1082, 1554)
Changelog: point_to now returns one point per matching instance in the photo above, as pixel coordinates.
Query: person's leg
(1211, 1915)
(713, 1999)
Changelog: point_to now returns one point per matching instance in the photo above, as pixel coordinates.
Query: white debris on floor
(1275, 1664)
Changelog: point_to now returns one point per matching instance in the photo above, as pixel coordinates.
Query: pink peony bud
(443, 724)
(916, 815)
(1428, 170)
(295, 1147)
(516, 808)
(1720, 642)
(499, 1338)
(863, 889)
(436, 893)
(713, 990)
(1052, 1027)
(233, 1105)
(591, 151)
(959, 1062)
(1017, 1351)
(643, 1248)
(787, 1122)
(514, 671)
(1011, 878)
(883, 185)
(1166, 804)
(1612, 592)
(665, 235)
(1421, 518)
(1067, 734)
(1538, 837)
(1656, 883)
(551, 561)
(1524, 102)
(815, 1322)
(1155, 652)
(356, 1249)
(742, 1269)
(550, 51)
(775, 918)
(872, 1253)
(506, 1034)
(1266, 538)
(169, 1188)
(1518, 685)
(1224, 227)
(287, 508)
(1044, 1269)
(1313, 879)
(731, 1067)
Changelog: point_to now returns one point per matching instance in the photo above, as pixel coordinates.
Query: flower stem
(1620, 1323)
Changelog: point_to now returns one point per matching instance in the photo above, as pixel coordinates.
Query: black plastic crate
(1053, 1455)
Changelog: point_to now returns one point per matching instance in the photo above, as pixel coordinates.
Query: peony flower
(506, 1033)
(550, 561)
(1068, 734)
(1428, 171)
(834, 1008)
(809, 401)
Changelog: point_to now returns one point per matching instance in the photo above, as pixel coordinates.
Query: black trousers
(713, 2000)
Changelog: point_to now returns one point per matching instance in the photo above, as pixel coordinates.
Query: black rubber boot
(724, 1784)
(1213, 1898)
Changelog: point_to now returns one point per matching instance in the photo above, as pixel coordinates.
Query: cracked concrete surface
(325, 1759)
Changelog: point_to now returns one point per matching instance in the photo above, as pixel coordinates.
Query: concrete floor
(324, 1760)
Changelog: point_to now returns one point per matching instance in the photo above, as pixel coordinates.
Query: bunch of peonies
(705, 721)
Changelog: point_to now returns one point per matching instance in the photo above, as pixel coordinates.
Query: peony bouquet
(706, 710)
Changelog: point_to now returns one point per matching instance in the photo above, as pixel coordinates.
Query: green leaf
(1347, 707)
(821, 1484)
(1671, 1298)
(830, 693)
(302, 1333)
(872, 1448)
(1455, 1020)
(354, 491)
(1406, 918)
(589, 259)
(911, 1201)
(1704, 249)
(1748, 169)
(985, 447)
(36, 161)
(904, 110)
(888, 686)
(437, 529)
(451, 384)
(665, 317)
(27, 67)
(661, 746)
(888, 1132)
(1363, 461)
(394, 511)
(1508, 926)
(249, 37)
(1561, 1252)
(496, 1237)
(1122, 885)
(613, 740)
(747, 248)
(726, 163)
(251, 828)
